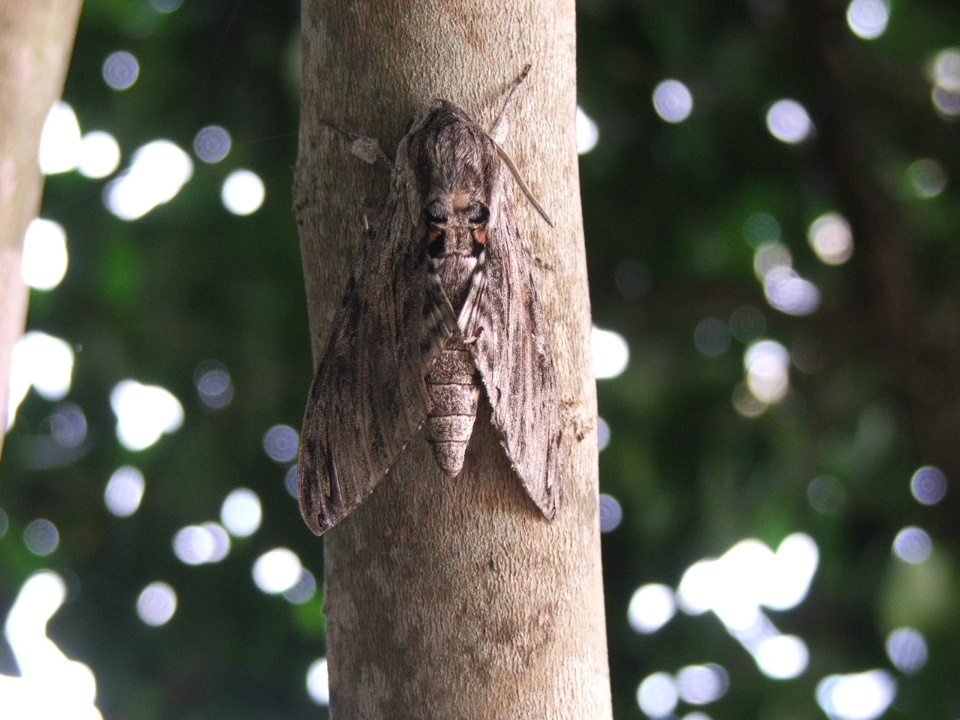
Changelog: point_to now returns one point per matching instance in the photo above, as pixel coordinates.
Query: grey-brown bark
(36, 37)
(456, 598)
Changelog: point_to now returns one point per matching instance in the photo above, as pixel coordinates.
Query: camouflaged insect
(443, 304)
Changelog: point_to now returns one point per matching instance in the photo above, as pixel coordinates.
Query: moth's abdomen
(454, 393)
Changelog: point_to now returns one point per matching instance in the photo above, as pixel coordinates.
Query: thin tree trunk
(455, 598)
(36, 37)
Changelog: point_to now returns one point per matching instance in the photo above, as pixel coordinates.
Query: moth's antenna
(498, 133)
(523, 186)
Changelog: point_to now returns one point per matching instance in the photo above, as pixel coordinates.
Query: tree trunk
(36, 37)
(455, 598)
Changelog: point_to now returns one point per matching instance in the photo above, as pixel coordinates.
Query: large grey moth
(442, 305)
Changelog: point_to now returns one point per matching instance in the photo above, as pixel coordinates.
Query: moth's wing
(368, 396)
(510, 343)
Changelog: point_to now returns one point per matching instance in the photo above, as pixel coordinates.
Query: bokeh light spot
(603, 434)
(747, 324)
(120, 70)
(156, 604)
(831, 238)
(194, 545)
(945, 69)
(199, 544)
(651, 607)
(38, 600)
(611, 513)
(280, 443)
(945, 76)
(41, 537)
(124, 491)
(99, 154)
(761, 229)
(912, 545)
(747, 576)
(277, 570)
(68, 425)
(673, 101)
(304, 590)
(927, 178)
(291, 481)
(49, 685)
(243, 192)
(587, 133)
(212, 144)
(767, 363)
(59, 140)
(44, 261)
(788, 121)
(712, 337)
(928, 485)
(702, 684)
(782, 657)
(868, 18)
(946, 102)
(318, 682)
(657, 695)
(221, 541)
(144, 413)
(746, 403)
(907, 650)
(611, 354)
(213, 383)
(794, 565)
(770, 257)
(241, 512)
(826, 495)
(789, 293)
(157, 172)
(862, 696)
(40, 361)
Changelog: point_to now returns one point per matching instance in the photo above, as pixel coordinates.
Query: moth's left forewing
(368, 398)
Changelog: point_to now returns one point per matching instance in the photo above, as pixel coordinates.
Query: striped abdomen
(454, 392)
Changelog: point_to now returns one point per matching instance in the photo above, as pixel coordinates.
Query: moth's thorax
(456, 240)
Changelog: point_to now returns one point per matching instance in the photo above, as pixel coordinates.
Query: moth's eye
(479, 214)
(434, 214)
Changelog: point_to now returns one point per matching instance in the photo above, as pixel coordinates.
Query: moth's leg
(366, 148)
(499, 130)
(370, 205)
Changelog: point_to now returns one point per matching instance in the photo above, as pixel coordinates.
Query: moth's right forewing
(513, 353)
(368, 396)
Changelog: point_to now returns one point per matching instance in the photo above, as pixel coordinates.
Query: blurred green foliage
(668, 209)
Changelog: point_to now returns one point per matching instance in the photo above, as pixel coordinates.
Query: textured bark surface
(36, 38)
(455, 597)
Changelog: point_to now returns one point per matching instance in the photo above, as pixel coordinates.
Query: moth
(442, 307)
